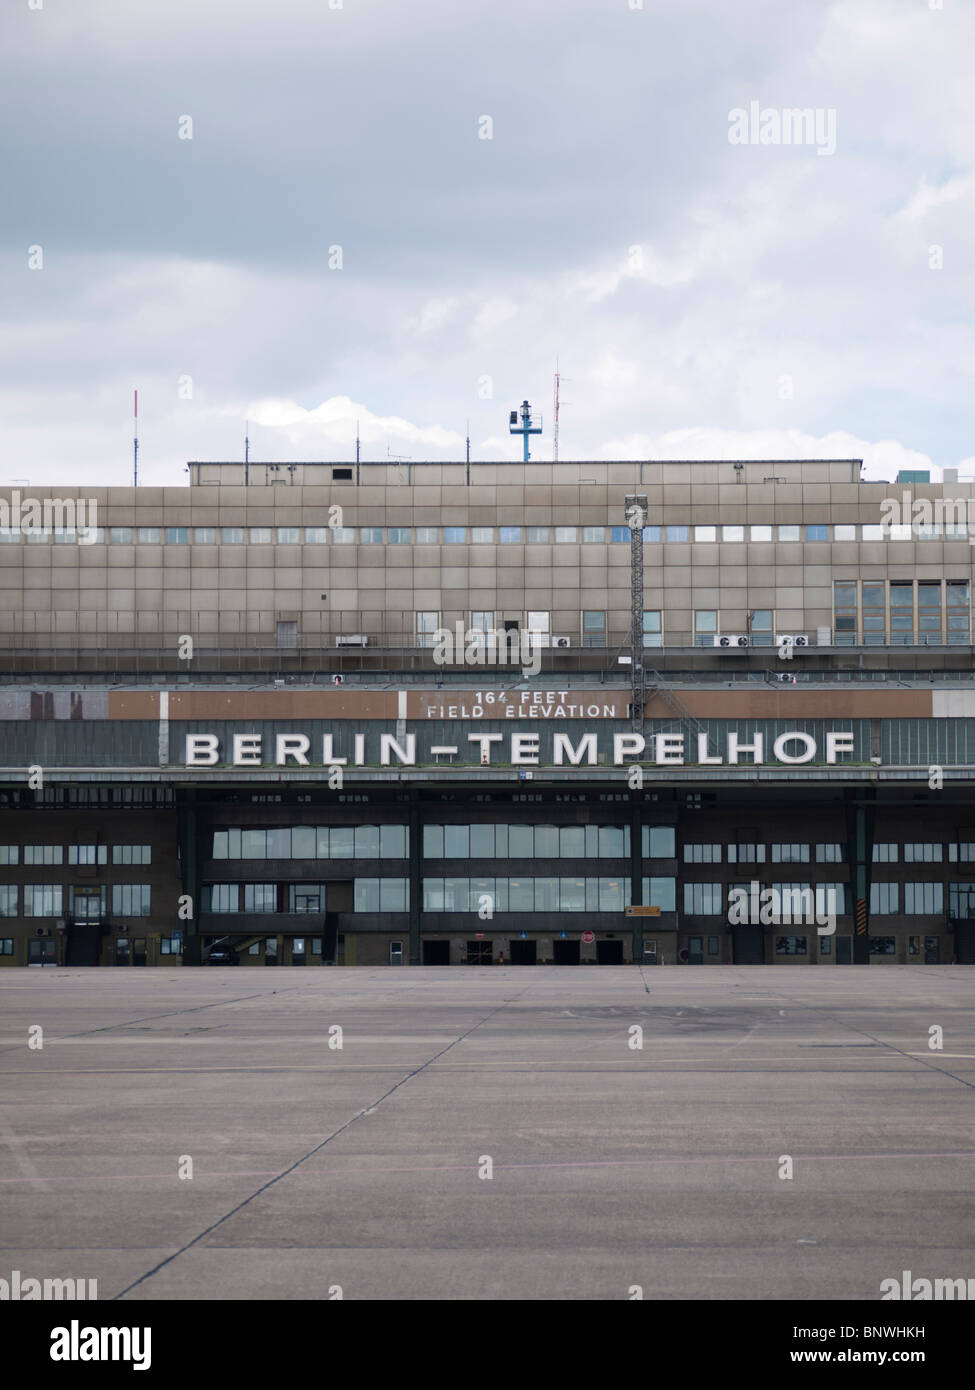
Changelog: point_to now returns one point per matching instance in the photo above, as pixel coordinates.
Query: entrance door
(609, 953)
(565, 952)
(139, 951)
(396, 953)
(83, 944)
(844, 950)
(122, 950)
(42, 951)
(695, 950)
(480, 953)
(436, 953)
(932, 950)
(298, 951)
(523, 952)
(270, 950)
(747, 944)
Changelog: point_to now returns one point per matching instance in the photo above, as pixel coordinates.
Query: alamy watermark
(37, 516)
(22, 1288)
(907, 517)
(783, 905)
(790, 125)
(472, 647)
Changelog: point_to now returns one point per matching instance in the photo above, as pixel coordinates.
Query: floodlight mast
(526, 427)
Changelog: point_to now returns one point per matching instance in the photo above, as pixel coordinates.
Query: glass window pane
(366, 842)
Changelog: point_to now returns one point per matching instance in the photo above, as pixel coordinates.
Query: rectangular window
(923, 899)
(260, 897)
(746, 854)
(43, 854)
(232, 535)
(884, 899)
(594, 534)
(817, 533)
(177, 535)
(316, 535)
(426, 627)
(286, 635)
(306, 897)
(790, 946)
(927, 852)
(705, 534)
(510, 535)
(733, 533)
(676, 534)
(651, 534)
(259, 535)
(885, 854)
(961, 900)
(963, 853)
(829, 854)
(454, 535)
(343, 535)
(131, 899)
(705, 621)
(537, 535)
(760, 533)
(427, 535)
(702, 854)
(593, 628)
(872, 533)
(704, 899)
(883, 945)
(658, 842)
(8, 899)
(171, 945)
(619, 535)
(221, 897)
(149, 535)
(652, 633)
(87, 854)
(370, 535)
(660, 892)
(788, 533)
(399, 535)
(790, 854)
(538, 622)
(565, 534)
(204, 535)
(43, 900)
(844, 533)
(9, 854)
(289, 535)
(482, 535)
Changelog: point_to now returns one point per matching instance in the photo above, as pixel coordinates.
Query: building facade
(385, 714)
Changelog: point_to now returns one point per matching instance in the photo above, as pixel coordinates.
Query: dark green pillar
(416, 883)
(191, 857)
(636, 879)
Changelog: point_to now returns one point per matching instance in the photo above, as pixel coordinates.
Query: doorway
(565, 952)
(523, 952)
(139, 951)
(695, 950)
(436, 953)
(844, 950)
(122, 950)
(932, 950)
(396, 953)
(480, 953)
(42, 951)
(609, 953)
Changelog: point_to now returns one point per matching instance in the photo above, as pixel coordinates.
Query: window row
(77, 854)
(791, 901)
(313, 842)
(708, 534)
(901, 611)
(489, 895)
(754, 853)
(264, 897)
(80, 904)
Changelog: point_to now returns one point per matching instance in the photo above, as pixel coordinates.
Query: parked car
(222, 955)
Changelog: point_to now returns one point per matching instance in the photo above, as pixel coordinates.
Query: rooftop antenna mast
(135, 445)
(526, 427)
(357, 453)
(468, 453)
(555, 432)
(247, 455)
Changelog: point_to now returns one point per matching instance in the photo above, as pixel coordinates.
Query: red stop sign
(588, 937)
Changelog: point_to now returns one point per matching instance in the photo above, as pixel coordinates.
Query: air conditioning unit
(731, 641)
(798, 639)
(786, 679)
(355, 639)
(561, 641)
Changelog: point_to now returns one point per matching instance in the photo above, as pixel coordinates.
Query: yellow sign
(642, 912)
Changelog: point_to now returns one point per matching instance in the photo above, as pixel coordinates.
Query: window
(790, 854)
(829, 854)
(306, 897)
(286, 634)
(884, 899)
(884, 854)
(619, 535)
(845, 608)
(259, 535)
(6, 946)
(706, 534)
(900, 531)
(65, 535)
(171, 945)
(510, 535)
(564, 534)
(704, 899)
(957, 854)
(87, 854)
(454, 535)
(9, 854)
(343, 535)
(873, 533)
(381, 895)
(817, 533)
(961, 900)
(760, 625)
(538, 622)
(702, 854)
(232, 535)
(929, 852)
(929, 610)
(43, 854)
(873, 602)
(427, 535)
(204, 535)
(177, 535)
(957, 604)
(316, 535)
(426, 627)
(370, 535)
(537, 535)
(705, 621)
(732, 533)
(260, 897)
(594, 533)
(652, 634)
(883, 945)
(42, 900)
(132, 854)
(746, 854)
(844, 533)
(651, 534)
(8, 899)
(120, 535)
(658, 842)
(760, 533)
(788, 533)
(482, 535)
(221, 897)
(923, 899)
(149, 535)
(131, 899)
(790, 946)
(831, 899)
(399, 535)
(289, 535)
(676, 533)
(593, 628)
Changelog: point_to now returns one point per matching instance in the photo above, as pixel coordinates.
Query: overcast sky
(704, 299)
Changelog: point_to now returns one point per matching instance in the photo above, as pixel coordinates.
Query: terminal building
(468, 713)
